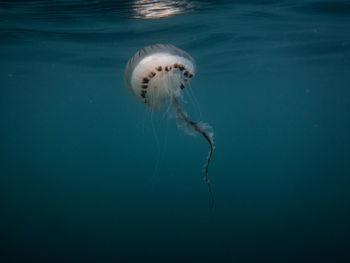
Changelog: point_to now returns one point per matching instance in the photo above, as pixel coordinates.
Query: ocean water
(88, 174)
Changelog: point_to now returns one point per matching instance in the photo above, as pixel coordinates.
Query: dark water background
(87, 175)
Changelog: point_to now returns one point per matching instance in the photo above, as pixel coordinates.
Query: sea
(88, 173)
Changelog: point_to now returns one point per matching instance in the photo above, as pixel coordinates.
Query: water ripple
(218, 33)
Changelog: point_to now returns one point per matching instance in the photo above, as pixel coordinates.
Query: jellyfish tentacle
(199, 129)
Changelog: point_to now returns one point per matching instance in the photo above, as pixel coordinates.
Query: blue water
(87, 174)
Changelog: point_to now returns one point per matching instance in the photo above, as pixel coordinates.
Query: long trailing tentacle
(200, 129)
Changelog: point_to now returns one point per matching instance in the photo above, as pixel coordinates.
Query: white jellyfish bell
(156, 75)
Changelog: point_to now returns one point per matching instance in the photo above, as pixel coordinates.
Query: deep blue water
(89, 175)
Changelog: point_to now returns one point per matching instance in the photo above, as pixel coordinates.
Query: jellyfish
(157, 75)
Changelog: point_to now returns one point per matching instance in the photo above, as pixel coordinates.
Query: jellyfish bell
(156, 75)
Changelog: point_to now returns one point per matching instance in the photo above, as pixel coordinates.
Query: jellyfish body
(156, 75)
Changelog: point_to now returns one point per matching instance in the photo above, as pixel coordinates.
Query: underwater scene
(175, 131)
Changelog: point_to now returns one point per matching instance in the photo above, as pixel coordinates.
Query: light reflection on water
(149, 9)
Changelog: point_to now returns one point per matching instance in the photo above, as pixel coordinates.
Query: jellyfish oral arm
(189, 126)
